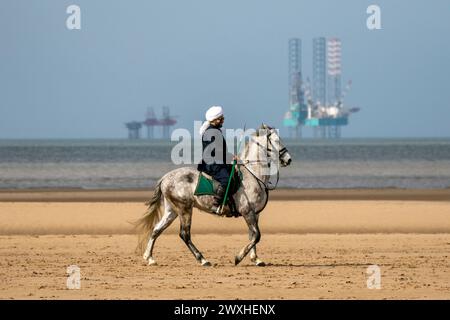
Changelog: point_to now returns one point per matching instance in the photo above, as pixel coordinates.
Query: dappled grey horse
(174, 196)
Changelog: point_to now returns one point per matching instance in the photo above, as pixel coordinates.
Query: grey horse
(174, 192)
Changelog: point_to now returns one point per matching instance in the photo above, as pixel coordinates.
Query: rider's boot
(218, 200)
(233, 210)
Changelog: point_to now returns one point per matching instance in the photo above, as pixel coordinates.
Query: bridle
(268, 149)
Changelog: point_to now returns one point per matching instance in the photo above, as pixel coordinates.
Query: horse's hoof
(260, 263)
(206, 263)
(151, 262)
(236, 261)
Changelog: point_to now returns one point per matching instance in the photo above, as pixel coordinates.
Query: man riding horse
(174, 195)
(215, 158)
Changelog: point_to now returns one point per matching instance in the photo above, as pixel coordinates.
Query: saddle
(207, 185)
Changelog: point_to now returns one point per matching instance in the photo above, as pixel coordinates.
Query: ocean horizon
(405, 163)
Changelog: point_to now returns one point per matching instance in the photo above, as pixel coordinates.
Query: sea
(136, 164)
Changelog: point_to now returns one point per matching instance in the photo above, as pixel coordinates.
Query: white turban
(212, 114)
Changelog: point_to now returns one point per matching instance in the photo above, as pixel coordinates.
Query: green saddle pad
(205, 186)
(208, 186)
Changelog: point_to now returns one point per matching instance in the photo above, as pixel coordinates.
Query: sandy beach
(317, 244)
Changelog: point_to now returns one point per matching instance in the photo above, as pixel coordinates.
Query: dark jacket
(211, 164)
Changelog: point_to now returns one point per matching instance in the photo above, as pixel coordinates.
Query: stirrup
(216, 210)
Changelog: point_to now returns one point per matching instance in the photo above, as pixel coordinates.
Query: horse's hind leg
(185, 234)
(166, 220)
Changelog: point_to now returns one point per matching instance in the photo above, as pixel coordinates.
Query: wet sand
(316, 248)
(141, 195)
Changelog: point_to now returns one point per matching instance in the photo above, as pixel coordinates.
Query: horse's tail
(144, 226)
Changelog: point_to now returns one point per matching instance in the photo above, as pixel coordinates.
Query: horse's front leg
(254, 234)
(253, 256)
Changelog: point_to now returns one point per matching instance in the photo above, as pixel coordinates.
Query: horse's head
(274, 145)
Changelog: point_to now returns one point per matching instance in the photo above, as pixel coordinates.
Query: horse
(174, 197)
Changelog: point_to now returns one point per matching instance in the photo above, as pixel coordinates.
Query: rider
(215, 158)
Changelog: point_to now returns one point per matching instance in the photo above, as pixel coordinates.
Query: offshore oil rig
(320, 107)
(151, 121)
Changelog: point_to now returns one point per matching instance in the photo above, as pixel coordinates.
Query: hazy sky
(190, 54)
